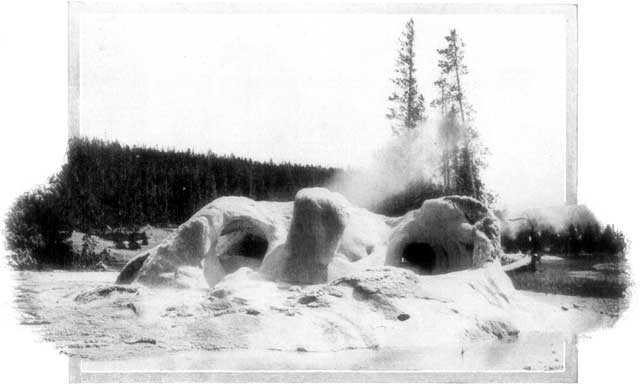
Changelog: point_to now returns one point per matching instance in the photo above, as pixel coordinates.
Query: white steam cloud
(407, 158)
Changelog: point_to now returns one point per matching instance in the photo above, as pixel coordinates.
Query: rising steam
(407, 158)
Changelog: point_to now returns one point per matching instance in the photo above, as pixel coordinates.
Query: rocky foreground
(390, 324)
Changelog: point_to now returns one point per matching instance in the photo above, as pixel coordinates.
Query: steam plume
(407, 158)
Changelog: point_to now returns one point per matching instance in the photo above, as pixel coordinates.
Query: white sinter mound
(311, 240)
(321, 274)
(444, 235)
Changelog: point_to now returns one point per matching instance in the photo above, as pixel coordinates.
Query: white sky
(313, 88)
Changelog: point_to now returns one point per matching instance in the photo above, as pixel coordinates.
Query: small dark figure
(534, 240)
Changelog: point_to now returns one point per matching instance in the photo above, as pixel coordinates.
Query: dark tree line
(106, 186)
(574, 240)
(109, 184)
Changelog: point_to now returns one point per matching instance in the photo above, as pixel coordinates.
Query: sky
(313, 88)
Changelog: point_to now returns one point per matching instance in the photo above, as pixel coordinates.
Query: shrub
(133, 242)
(88, 245)
(37, 226)
(119, 244)
(22, 260)
(88, 254)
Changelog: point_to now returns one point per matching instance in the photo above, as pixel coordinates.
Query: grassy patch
(589, 277)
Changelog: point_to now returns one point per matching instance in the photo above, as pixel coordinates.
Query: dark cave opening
(420, 257)
(248, 251)
(252, 246)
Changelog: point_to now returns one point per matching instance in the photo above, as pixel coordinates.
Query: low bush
(133, 242)
(37, 226)
(22, 260)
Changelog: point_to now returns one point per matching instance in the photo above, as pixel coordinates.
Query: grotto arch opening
(422, 258)
(241, 248)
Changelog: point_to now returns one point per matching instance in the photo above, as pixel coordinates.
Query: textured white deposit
(319, 231)
(334, 276)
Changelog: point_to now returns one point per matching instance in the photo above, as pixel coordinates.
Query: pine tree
(465, 162)
(407, 108)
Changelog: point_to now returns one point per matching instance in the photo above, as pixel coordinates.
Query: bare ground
(126, 333)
